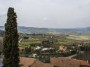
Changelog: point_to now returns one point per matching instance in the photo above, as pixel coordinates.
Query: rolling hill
(30, 30)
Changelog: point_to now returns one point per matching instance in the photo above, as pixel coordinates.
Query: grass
(35, 40)
(26, 44)
(1, 39)
(64, 41)
(79, 37)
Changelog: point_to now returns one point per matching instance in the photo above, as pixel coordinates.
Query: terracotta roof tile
(84, 63)
(67, 62)
(25, 62)
(40, 64)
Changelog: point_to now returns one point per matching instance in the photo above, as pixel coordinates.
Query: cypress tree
(10, 43)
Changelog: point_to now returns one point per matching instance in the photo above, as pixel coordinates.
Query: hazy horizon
(55, 28)
(48, 13)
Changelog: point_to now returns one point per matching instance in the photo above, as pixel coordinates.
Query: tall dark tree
(10, 50)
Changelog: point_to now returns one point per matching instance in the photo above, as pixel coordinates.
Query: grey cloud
(50, 13)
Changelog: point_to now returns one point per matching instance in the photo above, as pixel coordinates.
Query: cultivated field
(79, 37)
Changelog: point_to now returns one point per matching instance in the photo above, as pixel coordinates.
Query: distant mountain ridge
(31, 30)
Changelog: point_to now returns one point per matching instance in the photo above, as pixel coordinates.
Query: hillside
(1, 33)
(30, 30)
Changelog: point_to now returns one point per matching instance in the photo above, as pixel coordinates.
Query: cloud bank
(48, 13)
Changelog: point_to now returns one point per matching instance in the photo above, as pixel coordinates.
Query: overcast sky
(48, 13)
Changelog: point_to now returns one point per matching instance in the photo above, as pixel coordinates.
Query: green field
(58, 40)
(79, 37)
(1, 39)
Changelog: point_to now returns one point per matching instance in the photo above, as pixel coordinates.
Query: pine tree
(10, 50)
